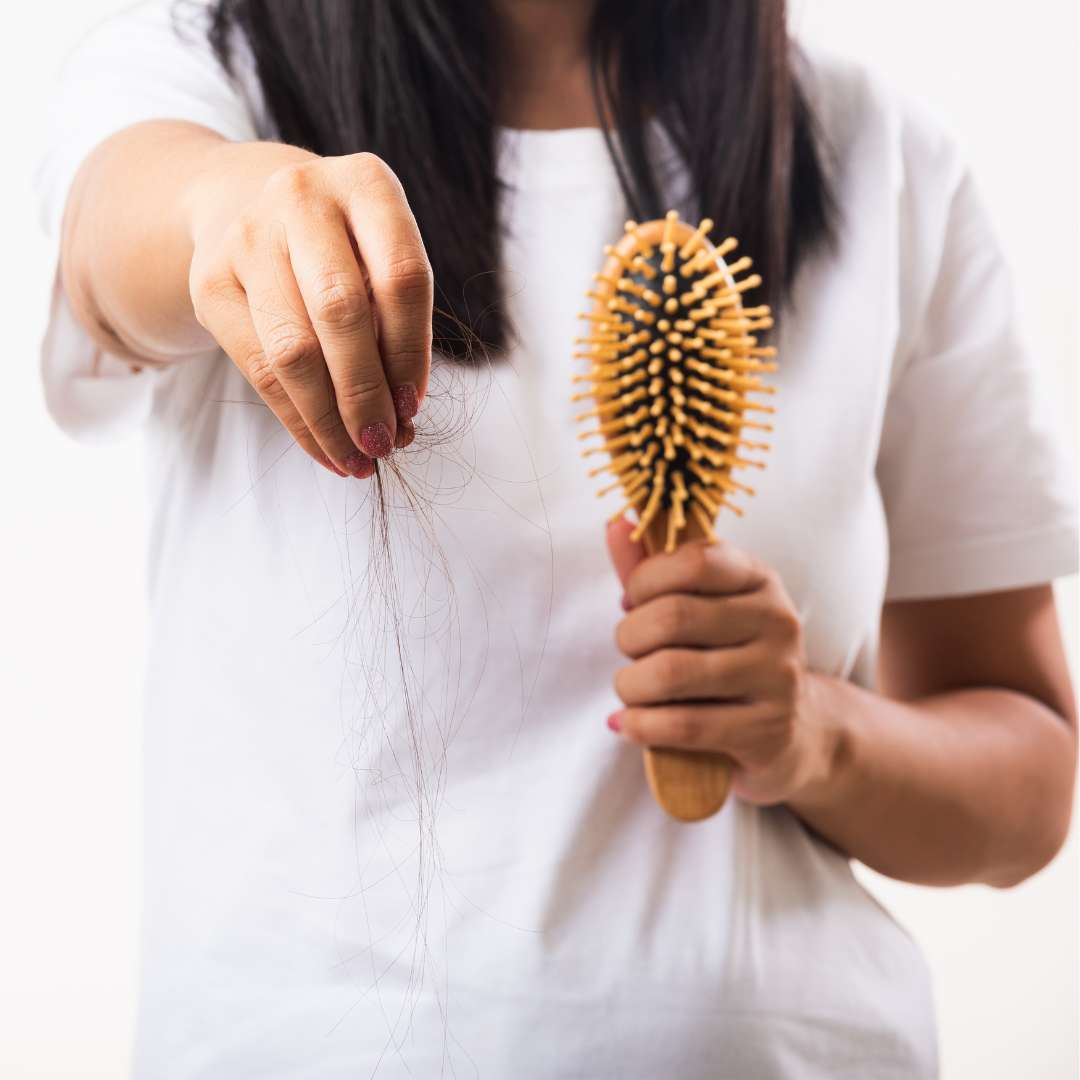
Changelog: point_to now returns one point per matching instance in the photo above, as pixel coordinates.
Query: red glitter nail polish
(405, 433)
(359, 465)
(406, 401)
(613, 722)
(331, 466)
(376, 440)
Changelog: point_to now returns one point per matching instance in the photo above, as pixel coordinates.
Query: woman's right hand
(315, 281)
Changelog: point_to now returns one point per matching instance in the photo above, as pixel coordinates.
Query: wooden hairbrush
(672, 360)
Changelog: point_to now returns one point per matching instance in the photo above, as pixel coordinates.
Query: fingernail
(626, 605)
(331, 466)
(375, 439)
(359, 465)
(613, 722)
(406, 401)
(405, 433)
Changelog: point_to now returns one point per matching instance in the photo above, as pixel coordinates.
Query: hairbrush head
(672, 360)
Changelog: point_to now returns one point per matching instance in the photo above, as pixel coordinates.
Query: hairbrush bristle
(673, 359)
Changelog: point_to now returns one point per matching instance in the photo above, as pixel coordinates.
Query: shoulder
(898, 173)
(866, 122)
(162, 50)
(151, 24)
(152, 61)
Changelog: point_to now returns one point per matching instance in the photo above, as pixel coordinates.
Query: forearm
(131, 217)
(970, 785)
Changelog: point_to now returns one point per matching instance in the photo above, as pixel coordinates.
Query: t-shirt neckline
(563, 157)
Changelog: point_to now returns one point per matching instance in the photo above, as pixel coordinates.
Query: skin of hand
(309, 272)
(961, 770)
(719, 664)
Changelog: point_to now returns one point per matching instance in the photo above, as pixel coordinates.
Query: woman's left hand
(718, 663)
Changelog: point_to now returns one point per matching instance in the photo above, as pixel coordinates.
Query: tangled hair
(416, 83)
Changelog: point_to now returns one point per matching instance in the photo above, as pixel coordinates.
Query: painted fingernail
(331, 466)
(406, 401)
(359, 465)
(405, 433)
(613, 722)
(626, 605)
(375, 439)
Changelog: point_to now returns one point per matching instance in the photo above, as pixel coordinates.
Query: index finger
(716, 569)
(392, 254)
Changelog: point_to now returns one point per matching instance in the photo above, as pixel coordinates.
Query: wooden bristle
(644, 248)
(674, 364)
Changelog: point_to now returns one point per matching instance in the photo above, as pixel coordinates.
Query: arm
(960, 770)
(309, 272)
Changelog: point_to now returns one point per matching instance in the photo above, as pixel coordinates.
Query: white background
(72, 567)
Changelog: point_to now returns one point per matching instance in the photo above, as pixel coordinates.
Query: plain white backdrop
(73, 533)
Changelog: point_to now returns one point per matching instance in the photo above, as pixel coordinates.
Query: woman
(388, 831)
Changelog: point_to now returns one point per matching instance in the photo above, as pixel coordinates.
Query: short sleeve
(152, 62)
(976, 475)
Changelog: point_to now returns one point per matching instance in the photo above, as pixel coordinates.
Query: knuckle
(293, 182)
(770, 741)
(207, 285)
(407, 273)
(410, 360)
(783, 731)
(788, 677)
(331, 433)
(685, 726)
(722, 548)
(769, 578)
(357, 392)
(697, 560)
(671, 669)
(785, 622)
(290, 349)
(245, 231)
(369, 168)
(201, 294)
(339, 304)
(672, 616)
(264, 380)
(244, 237)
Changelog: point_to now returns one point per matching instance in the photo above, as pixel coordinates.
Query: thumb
(625, 553)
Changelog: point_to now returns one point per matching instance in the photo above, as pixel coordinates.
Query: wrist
(227, 178)
(831, 744)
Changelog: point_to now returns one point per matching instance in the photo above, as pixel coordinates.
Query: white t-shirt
(387, 830)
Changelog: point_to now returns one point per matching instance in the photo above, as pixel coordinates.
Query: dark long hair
(416, 82)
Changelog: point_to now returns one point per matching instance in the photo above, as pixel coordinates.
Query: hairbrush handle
(689, 785)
